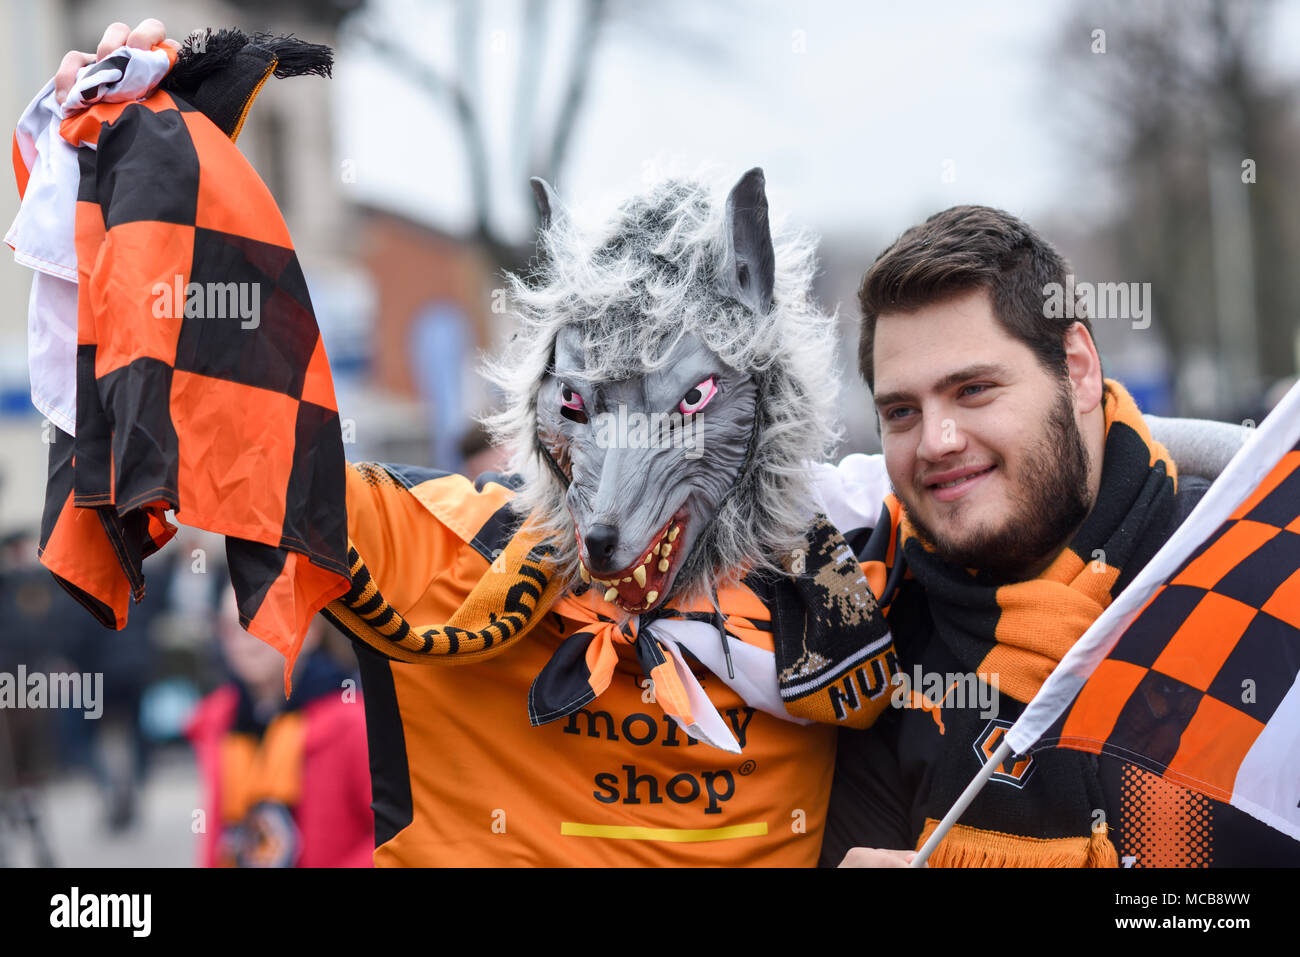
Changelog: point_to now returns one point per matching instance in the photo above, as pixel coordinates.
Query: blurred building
(432, 319)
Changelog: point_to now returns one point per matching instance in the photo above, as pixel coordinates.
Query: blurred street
(71, 815)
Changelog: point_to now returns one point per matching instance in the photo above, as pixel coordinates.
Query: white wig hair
(652, 274)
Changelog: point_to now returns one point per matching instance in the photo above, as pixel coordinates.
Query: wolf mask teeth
(648, 579)
(669, 383)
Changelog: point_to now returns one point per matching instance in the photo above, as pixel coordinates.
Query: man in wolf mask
(657, 600)
(621, 592)
(651, 606)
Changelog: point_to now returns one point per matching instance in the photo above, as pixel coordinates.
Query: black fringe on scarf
(219, 72)
(210, 50)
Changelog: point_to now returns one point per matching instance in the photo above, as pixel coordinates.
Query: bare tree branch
(575, 90)
(463, 108)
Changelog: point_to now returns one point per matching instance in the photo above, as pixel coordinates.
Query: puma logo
(933, 708)
(932, 691)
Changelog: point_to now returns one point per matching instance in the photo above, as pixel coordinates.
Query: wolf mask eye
(698, 397)
(571, 404)
(570, 399)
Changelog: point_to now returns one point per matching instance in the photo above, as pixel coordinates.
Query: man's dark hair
(957, 251)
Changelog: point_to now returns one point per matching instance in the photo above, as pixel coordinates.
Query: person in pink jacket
(285, 783)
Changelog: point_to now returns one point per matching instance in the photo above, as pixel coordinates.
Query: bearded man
(659, 629)
(1028, 492)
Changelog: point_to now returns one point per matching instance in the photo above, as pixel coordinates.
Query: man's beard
(1052, 499)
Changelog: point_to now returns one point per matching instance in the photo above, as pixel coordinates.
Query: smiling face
(984, 446)
(649, 459)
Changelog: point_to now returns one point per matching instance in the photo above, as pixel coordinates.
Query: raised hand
(147, 34)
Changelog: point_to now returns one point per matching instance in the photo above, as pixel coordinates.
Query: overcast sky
(865, 115)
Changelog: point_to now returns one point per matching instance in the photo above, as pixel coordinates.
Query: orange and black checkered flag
(202, 384)
(1192, 671)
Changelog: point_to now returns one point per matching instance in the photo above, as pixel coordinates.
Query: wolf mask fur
(671, 379)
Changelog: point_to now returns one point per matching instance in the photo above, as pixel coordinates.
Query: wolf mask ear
(749, 270)
(548, 204)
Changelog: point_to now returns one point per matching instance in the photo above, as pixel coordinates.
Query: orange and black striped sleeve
(419, 541)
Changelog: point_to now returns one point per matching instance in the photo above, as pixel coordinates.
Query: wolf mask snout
(601, 542)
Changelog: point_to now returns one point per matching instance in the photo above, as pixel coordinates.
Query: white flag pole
(1268, 444)
(1279, 433)
(959, 807)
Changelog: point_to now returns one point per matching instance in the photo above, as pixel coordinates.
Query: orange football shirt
(460, 778)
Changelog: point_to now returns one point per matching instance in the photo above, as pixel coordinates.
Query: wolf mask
(671, 380)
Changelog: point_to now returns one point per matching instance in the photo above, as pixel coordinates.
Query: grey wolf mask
(670, 381)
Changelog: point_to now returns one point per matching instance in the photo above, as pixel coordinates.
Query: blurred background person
(478, 453)
(285, 783)
(31, 614)
(114, 747)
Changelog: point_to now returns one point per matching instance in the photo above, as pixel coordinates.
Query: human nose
(941, 435)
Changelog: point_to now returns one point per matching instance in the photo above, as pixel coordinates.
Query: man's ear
(750, 267)
(1083, 366)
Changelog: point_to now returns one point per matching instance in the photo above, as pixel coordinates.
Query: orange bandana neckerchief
(832, 656)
